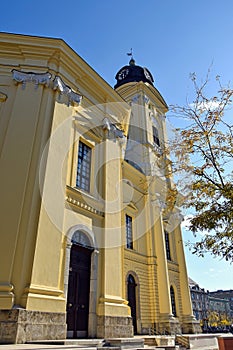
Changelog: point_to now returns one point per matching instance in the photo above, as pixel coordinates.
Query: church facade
(90, 244)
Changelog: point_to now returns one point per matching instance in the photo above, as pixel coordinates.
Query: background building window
(173, 301)
(129, 232)
(156, 136)
(84, 167)
(167, 245)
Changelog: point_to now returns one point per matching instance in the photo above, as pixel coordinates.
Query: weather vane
(130, 53)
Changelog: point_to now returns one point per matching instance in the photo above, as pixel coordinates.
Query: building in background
(224, 294)
(213, 311)
(200, 301)
(90, 244)
(219, 312)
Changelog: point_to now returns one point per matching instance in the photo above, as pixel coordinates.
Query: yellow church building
(90, 247)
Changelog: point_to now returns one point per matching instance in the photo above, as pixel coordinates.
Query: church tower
(154, 261)
(147, 134)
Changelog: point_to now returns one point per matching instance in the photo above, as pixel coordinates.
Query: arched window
(81, 238)
(173, 301)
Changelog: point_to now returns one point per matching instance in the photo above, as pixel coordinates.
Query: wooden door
(78, 291)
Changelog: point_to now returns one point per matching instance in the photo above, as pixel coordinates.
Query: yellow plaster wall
(146, 281)
(23, 124)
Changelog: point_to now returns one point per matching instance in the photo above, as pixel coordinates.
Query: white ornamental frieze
(72, 96)
(30, 77)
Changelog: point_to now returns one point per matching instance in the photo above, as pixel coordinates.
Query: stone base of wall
(190, 325)
(170, 326)
(191, 328)
(18, 326)
(114, 327)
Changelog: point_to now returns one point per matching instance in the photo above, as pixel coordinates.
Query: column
(165, 317)
(189, 323)
(15, 164)
(113, 313)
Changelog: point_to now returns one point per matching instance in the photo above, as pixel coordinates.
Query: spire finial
(132, 61)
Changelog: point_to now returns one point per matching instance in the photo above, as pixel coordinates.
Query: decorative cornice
(83, 205)
(30, 77)
(3, 97)
(136, 257)
(73, 97)
(173, 266)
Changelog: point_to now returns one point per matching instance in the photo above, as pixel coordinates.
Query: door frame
(71, 238)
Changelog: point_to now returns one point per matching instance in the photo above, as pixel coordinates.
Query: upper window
(84, 167)
(167, 244)
(129, 232)
(156, 136)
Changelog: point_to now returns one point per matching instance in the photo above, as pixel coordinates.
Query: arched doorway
(79, 286)
(131, 289)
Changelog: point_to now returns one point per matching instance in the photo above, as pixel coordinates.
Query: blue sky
(171, 38)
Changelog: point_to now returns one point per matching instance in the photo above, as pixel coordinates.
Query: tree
(203, 150)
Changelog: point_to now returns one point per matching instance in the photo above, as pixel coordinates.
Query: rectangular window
(129, 232)
(167, 244)
(84, 167)
(156, 136)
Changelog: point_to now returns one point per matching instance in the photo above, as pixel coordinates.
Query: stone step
(84, 343)
(125, 343)
(42, 347)
(198, 341)
(99, 344)
(167, 347)
(159, 340)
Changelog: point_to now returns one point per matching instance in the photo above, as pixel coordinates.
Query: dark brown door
(132, 300)
(78, 292)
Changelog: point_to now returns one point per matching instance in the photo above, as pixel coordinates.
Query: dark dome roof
(133, 73)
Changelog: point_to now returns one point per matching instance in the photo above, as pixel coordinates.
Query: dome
(133, 73)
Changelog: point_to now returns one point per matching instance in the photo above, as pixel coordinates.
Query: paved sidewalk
(41, 347)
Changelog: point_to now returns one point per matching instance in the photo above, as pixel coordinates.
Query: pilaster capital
(113, 130)
(30, 77)
(72, 96)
